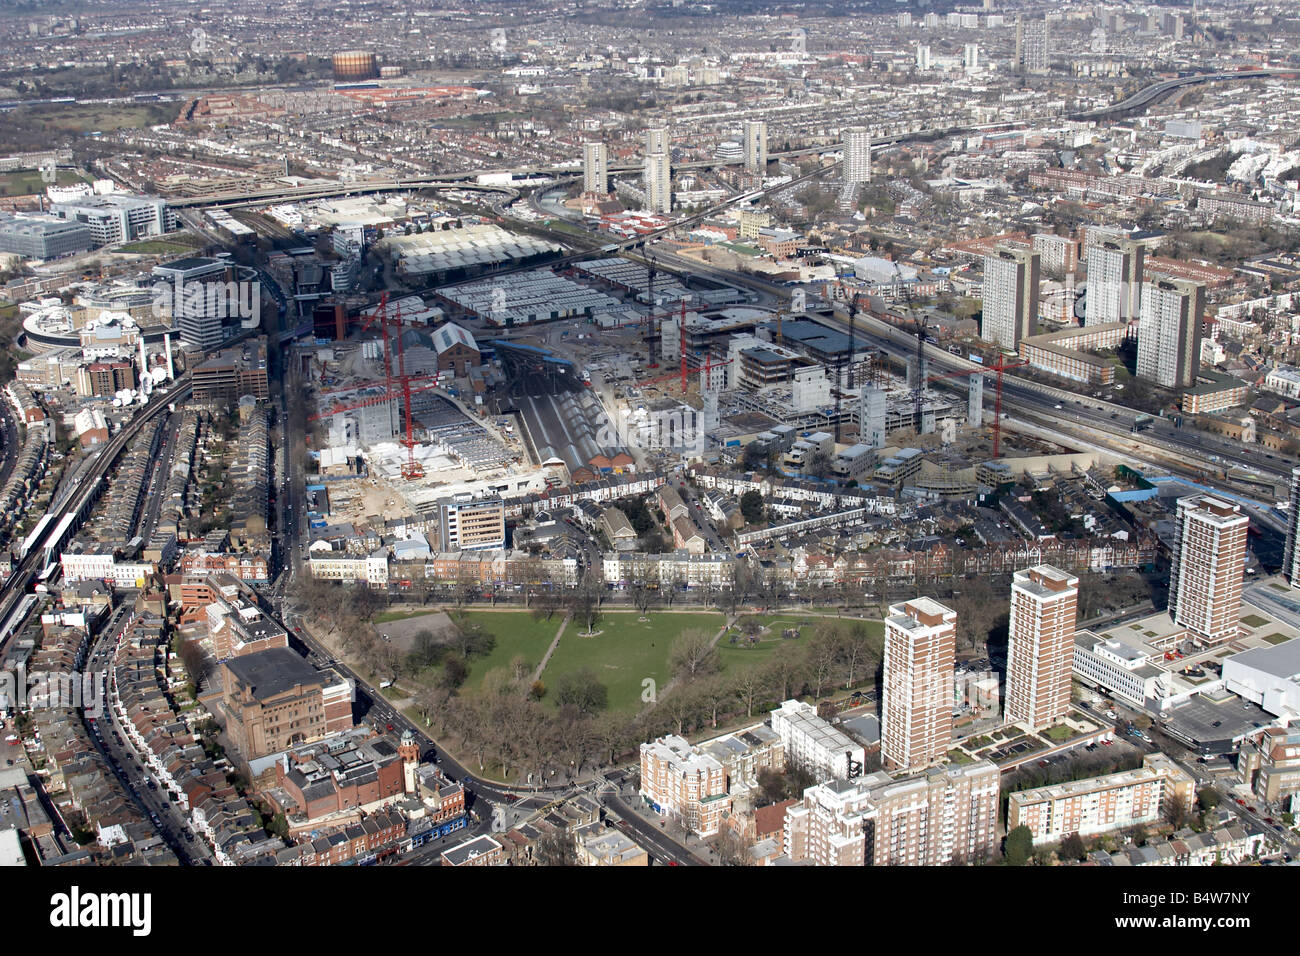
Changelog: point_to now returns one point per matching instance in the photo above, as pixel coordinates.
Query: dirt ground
(401, 634)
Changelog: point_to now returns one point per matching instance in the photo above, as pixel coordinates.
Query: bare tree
(731, 849)
(856, 652)
(640, 587)
(430, 700)
(1175, 810)
(786, 671)
(714, 694)
(693, 654)
(681, 707)
(585, 602)
(556, 848)
(750, 685)
(823, 655)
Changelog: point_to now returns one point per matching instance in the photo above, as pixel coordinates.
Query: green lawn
(1254, 620)
(516, 633)
(1059, 733)
(959, 758)
(27, 182)
(626, 652)
(742, 655)
(178, 244)
(1276, 639)
(389, 616)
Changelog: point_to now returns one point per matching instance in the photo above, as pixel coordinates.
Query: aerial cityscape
(649, 433)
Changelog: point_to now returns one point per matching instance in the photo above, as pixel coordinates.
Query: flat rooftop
(273, 671)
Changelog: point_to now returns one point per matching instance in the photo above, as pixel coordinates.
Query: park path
(546, 658)
(727, 621)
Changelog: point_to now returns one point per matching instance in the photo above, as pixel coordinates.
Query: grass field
(387, 617)
(515, 633)
(626, 652)
(181, 243)
(27, 182)
(741, 655)
(106, 117)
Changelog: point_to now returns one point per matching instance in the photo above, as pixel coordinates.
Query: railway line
(57, 526)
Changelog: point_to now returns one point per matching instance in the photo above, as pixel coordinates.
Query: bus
(1143, 422)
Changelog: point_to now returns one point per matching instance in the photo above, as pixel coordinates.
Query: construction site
(630, 371)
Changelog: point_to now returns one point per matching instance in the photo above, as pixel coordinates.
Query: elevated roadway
(467, 179)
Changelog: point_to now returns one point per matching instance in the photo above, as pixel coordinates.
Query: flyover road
(467, 179)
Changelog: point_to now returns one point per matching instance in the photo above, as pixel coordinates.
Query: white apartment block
(371, 569)
(679, 567)
(94, 565)
(1101, 804)
(1284, 380)
(118, 217)
(1117, 668)
(1291, 552)
(1056, 253)
(755, 146)
(658, 184)
(857, 154)
(1115, 268)
(595, 168)
(812, 743)
(656, 140)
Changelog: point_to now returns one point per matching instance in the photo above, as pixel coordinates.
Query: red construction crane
(1000, 367)
(651, 321)
(393, 384)
(684, 370)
